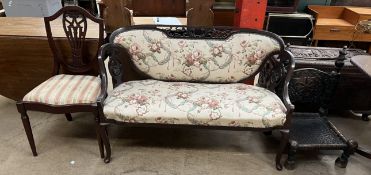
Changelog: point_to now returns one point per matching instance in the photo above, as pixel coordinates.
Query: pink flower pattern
(153, 101)
(202, 60)
(155, 46)
(195, 59)
(135, 51)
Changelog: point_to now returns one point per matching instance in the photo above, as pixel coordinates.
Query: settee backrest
(220, 55)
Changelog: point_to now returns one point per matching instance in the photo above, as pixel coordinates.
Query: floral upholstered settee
(192, 77)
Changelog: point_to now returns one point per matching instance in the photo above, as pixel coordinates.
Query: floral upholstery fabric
(153, 101)
(163, 58)
(66, 89)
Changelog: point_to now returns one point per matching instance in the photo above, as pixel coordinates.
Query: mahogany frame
(275, 72)
(79, 66)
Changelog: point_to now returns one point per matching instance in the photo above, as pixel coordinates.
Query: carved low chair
(74, 85)
(191, 77)
(311, 91)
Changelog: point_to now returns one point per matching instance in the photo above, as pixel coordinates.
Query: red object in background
(250, 14)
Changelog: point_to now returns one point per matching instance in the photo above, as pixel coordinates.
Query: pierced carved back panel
(312, 88)
(272, 74)
(75, 25)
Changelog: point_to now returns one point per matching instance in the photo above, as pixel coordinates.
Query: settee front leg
(104, 135)
(99, 137)
(283, 144)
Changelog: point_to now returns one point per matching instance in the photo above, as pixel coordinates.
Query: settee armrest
(290, 69)
(103, 54)
(276, 75)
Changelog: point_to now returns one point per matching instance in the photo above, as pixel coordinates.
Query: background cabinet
(159, 8)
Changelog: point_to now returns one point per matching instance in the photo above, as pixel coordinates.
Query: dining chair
(75, 84)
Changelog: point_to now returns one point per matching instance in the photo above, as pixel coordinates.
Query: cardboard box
(31, 8)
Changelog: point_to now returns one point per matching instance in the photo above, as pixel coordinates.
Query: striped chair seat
(66, 89)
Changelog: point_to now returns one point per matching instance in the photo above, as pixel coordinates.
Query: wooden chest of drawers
(339, 23)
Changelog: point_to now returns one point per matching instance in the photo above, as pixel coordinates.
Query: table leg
(315, 43)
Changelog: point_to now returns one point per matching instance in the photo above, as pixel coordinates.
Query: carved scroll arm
(290, 69)
(103, 54)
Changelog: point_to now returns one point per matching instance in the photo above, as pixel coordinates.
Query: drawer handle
(334, 30)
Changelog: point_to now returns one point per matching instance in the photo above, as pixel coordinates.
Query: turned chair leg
(104, 135)
(68, 116)
(283, 144)
(290, 162)
(28, 129)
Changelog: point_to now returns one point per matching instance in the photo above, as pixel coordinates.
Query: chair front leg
(283, 144)
(27, 127)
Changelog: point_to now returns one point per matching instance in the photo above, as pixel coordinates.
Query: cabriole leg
(104, 135)
(99, 138)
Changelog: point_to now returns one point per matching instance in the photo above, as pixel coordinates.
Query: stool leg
(68, 116)
(342, 161)
(28, 129)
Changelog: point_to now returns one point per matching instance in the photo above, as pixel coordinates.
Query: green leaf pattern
(154, 101)
(163, 58)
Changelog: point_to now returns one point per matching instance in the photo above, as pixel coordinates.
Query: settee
(193, 77)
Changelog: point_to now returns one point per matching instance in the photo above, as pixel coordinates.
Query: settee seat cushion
(66, 90)
(183, 103)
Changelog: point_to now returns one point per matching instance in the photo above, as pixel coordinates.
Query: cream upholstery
(208, 60)
(153, 101)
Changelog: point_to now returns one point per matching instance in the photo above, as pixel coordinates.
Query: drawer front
(333, 33)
